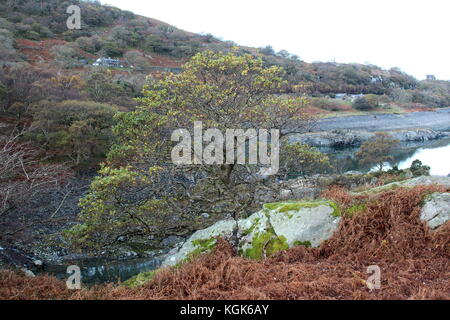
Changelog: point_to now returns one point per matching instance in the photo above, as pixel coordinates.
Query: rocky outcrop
(278, 226)
(423, 180)
(17, 259)
(341, 138)
(436, 210)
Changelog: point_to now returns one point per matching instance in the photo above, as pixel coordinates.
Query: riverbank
(438, 120)
(345, 138)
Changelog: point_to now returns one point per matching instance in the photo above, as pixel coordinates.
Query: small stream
(96, 271)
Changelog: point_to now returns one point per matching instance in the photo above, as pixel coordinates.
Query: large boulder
(278, 226)
(436, 210)
(201, 241)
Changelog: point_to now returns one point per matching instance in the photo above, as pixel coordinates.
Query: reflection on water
(97, 271)
(435, 154)
(438, 159)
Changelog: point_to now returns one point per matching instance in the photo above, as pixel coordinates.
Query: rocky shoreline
(347, 138)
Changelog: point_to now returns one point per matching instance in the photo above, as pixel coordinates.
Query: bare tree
(23, 176)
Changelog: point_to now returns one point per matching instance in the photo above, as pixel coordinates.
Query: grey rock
(38, 263)
(171, 241)
(222, 228)
(353, 173)
(288, 223)
(436, 210)
(28, 273)
(423, 180)
(313, 225)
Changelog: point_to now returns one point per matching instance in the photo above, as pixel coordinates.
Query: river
(97, 271)
(435, 154)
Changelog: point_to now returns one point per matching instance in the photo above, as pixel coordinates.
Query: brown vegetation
(414, 264)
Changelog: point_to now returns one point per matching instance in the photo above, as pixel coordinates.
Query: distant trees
(89, 44)
(401, 79)
(137, 59)
(20, 91)
(3, 91)
(64, 87)
(377, 150)
(101, 87)
(65, 55)
(368, 102)
(41, 19)
(301, 159)
(75, 131)
(7, 50)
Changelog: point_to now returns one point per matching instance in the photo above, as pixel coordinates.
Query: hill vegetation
(43, 63)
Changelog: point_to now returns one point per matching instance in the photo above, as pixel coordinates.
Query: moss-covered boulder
(311, 222)
(278, 226)
(201, 241)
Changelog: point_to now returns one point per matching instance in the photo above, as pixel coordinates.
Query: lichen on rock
(278, 226)
(436, 210)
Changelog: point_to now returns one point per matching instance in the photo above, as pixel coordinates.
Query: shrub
(111, 49)
(418, 169)
(137, 60)
(79, 131)
(377, 150)
(367, 102)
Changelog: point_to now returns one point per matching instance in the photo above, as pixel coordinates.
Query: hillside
(35, 33)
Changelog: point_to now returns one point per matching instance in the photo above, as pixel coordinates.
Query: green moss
(275, 245)
(266, 244)
(426, 198)
(250, 230)
(291, 206)
(296, 206)
(303, 243)
(355, 209)
(386, 187)
(202, 246)
(336, 209)
(140, 279)
(272, 206)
